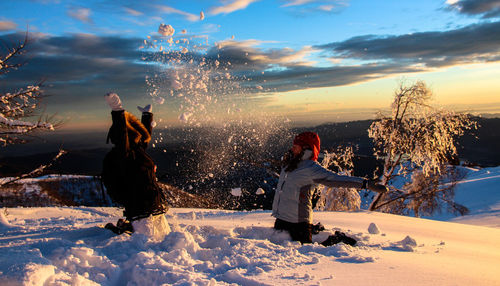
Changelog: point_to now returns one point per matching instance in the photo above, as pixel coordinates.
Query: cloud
(296, 2)
(132, 12)
(485, 8)
(7, 25)
(306, 7)
(80, 66)
(245, 55)
(81, 14)
(230, 7)
(470, 44)
(170, 10)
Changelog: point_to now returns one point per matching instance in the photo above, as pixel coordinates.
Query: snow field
(65, 246)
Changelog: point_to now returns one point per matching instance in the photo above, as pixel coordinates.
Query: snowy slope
(479, 191)
(65, 246)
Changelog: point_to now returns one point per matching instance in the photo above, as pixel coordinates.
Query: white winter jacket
(293, 196)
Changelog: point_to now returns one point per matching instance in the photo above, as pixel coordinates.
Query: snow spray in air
(218, 107)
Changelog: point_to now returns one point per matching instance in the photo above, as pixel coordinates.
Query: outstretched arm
(331, 179)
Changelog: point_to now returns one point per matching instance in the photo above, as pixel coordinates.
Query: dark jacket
(128, 172)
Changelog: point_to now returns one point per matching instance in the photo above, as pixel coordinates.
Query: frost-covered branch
(17, 107)
(5, 65)
(36, 171)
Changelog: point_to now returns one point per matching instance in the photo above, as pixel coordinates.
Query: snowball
(260, 191)
(184, 117)
(166, 30)
(184, 31)
(373, 229)
(236, 192)
(202, 16)
(159, 100)
(184, 50)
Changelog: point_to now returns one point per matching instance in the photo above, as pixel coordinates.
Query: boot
(337, 238)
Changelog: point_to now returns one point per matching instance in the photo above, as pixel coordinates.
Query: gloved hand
(376, 187)
(113, 101)
(147, 108)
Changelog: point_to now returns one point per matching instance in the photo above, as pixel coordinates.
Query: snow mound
(4, 222)
(407, 244)
(373, 229)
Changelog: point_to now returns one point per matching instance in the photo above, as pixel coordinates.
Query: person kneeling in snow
(292, 205)
(129, 173)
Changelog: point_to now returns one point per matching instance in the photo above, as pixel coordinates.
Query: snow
(260, 191)
(373, 229)
(184, 117)
(69, 246)
(166, 30)
(479, 191)
(236, 192)
(66, 246)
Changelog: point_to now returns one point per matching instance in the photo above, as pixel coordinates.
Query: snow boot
(154, 226)
(122, 226)
(337, 238)
(317, 228)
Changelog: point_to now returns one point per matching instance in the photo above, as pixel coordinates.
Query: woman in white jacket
(292, 205)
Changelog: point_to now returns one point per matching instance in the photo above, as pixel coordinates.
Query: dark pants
(300, 231)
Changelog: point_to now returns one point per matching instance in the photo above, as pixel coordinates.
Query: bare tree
(417, 139)
(17, 107)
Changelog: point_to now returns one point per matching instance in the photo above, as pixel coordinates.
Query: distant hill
(202, 165)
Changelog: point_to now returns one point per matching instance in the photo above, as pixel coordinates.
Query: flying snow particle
(184, 117)
(260, 191)
(184, 31)
(236, 192)
(176, 84)
(202, 16)
(259, 87)
(373, 229)
(184, 50)
(166, 30)
(159, 100)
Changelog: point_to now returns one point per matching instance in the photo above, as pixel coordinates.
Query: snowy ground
(67, 246)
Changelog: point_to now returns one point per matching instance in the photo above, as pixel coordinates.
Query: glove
(113, 101)
(147, 108)
(376, 187)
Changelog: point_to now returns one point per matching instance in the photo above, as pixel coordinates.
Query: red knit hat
(309, 139)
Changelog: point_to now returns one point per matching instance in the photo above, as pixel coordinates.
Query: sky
(307, 61)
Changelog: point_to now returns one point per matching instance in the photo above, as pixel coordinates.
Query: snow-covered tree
(418, 140)
(339, 199)
(17, 107)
